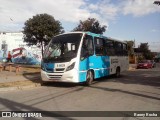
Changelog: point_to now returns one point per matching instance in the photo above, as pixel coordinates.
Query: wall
(15, 40)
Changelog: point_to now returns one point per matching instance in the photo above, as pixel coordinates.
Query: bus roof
(109, 38)
(99, 35)
(93, 34)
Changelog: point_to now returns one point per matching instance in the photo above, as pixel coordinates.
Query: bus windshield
(62, 48)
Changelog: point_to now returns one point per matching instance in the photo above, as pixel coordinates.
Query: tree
(144, 48)
(157, 2)
(130, 45)
(40, 29)
(92, 25)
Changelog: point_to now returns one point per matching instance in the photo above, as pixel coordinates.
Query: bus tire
(89, 78)
(118, 72)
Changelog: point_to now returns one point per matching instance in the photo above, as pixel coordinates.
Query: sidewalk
(132, 66)
(29, 76)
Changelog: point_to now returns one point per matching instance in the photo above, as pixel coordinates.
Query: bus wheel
(117, 72)
(90, 78)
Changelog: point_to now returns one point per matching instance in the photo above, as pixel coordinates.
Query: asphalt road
(137, 90)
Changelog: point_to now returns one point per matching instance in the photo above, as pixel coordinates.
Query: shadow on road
(123, 91)
(61, 84)
(135, 77)
(146, 78)
(141, 78)
(15, 106)
(34, 77)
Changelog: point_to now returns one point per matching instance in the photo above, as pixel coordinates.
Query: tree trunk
(42, 48)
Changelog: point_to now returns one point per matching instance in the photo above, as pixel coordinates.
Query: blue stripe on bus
(99, 64)
(49, 67)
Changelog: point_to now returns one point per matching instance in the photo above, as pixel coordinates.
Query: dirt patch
(16, 84)
(32, 74)
(29, 70)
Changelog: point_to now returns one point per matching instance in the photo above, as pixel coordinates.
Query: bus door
(101, 61)
(111, 53)
(86, 57)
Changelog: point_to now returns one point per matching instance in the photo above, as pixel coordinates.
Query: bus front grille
(59, 69)
(56, 70)
(54, 76)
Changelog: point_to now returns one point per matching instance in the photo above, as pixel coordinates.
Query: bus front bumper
(67, 76)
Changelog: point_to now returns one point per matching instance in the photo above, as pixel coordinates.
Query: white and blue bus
(83, 57)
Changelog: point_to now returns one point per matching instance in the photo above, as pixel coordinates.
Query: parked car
(145, 64)
(153, 63)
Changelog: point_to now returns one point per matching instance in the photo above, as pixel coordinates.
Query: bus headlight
(70, 67)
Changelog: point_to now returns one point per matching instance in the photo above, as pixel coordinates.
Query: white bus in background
(83, 57)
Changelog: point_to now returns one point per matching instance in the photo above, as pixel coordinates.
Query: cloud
(155, 30)
(93, 7)
(138, 7)
(18, 11)
(15, 12)
(104, 11)
(154, 46)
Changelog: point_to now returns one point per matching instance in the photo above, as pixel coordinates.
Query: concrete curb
(5, 89)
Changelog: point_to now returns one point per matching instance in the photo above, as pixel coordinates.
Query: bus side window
(109, 48)
(125, 51)
(119, 48)
(87, 46)
(99, 46)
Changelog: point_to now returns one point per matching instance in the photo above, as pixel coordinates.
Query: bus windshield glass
(62, 48)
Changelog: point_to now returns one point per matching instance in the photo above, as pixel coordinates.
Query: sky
(137, 20)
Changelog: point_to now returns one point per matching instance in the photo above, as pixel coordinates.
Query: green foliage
(92, 25)
(157, 2)
(130, 45)
(144, 49)
(140, 58)
(40, 29)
